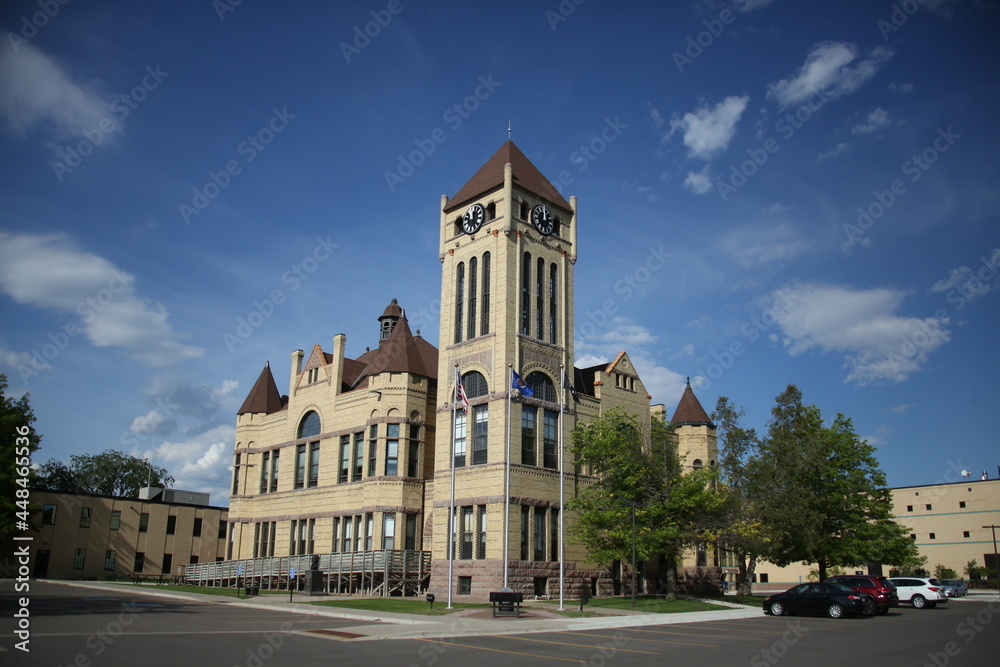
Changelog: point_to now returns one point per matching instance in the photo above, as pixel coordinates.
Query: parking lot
(77, 626)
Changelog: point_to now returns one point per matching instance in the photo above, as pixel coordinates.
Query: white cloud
(153, 422)
(200, 463)
(839, 149)
(709, 131)
(655, 116)
(753, 245)
(698, 182)
(826, 72)
(878, 345)
(663, 384)
(900, 88)
(35, 90)
(623, 332)
(684, 351)
(875, 121)
(969, 284)
(49, 272)
(902, 408)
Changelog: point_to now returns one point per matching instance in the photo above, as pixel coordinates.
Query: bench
(506, 603)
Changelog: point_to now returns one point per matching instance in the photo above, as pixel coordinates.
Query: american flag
(460, 393)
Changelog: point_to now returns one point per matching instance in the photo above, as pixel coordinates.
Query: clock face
(542, 219)
(473, 218)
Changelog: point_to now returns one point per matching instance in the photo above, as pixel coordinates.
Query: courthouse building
(355, 458)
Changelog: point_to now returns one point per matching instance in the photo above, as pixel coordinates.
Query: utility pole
(996, 559)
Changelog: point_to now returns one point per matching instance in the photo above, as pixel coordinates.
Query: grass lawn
(209, 590)
(400, 605)
(748, 600)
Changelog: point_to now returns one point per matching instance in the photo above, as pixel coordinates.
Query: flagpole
(506, 483)
(562, 491)
(451, 511)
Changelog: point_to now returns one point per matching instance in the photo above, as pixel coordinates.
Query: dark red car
(880, 590)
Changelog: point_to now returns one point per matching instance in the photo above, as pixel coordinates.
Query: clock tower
(507, 251)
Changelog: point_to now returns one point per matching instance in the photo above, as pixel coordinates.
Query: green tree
(110, 473)
(943, 572)
(639, 471)
(743, 533)
(18, 441)
(829, 503)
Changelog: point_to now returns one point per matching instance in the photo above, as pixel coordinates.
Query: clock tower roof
(490, 176)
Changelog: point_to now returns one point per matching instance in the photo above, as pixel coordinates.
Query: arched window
(459, 301)
(475, 384)
(473, 266)
(526, 294)
(542, 386)
(697, 463)
(478, 421)
(540, 300)
(553, 273)
(309, 426)
(485, 329)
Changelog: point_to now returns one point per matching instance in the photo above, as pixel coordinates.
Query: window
(369, 529)
(484, 328)
(197, 527)
(525, 530)
(222, 529)
(274, 471)
(465, 535)
(168, 560)
(913, 536)
(171, 524)
(465, 585)
(309, 426)
(540, 300)
(236, 475)
(411, 532)
(525, 294)
(961, 504)
(144, 522)
(392, 449)
(313, 464)
(763, 578)
(140, 562)
(109, 561)
(116, 519)
(336, 534)
(539, 551)
(372, 449)
(49, 515)
(542, 386)
(554, 532)
(481, 543)
(300, 466)
(475, 385)
(909, 508)
(480, 431)
(529, 415)
(345, 458)
(359, 456)
(459, 301)
(460, 422)
(310, 544)
(265, 460)
(931, 535)
(85, 514)
(553, 272)
(549, 454)
(473, 268)
(348, 532)
(928, 506)
(389, 531)
(194, 560)
(79, 556)
(413, 453)
(965, 533)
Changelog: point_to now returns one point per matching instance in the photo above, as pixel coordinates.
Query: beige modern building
(357, 457)
(102, 537)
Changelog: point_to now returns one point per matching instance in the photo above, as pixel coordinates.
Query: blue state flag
(521, 386)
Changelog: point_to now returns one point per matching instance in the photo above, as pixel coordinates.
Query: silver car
(954, 588)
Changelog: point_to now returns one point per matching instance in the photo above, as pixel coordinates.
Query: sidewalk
(463, 623)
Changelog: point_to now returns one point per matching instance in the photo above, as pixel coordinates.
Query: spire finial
(508, 130)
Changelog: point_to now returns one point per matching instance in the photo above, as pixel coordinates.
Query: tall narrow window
(459, 301)
(359, 456)
(236, 475)
(348, 532)
(256, 540)
(526, 294)
(274, 535)
(529, 415)
(485, 326)
(345, 458)
(109, 561)
(144, 522)
(465, 545)
(473, 269)
(336, 535)
(539, 551)
(81, 555)
(549, 454)
(540, 300)
(85, 514)
(369, 529)
(392, 449)
(413, 454)
(196, 529)
(49, 514)
(411, 532)
(553, 273)
(389, 531)
(171, 524)
(480, 431)
(554, 533)
(300, 466)
(313, 464)
(460, 423)
(265, 462)
(116, 519)
(311, 537)
(140, 561)
(525, 531)
(274, 471)
(481, 543)
(372, 449)
(168, 560)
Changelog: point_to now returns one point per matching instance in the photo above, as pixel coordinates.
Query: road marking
(497, 650)
(546, 641)
(640, 639)
(692, 634)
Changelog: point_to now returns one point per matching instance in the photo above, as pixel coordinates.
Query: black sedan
(831, 599)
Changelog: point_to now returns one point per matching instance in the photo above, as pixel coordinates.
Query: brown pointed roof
(392, 310)
(401, 352)
(490, 176)
(264, 396)
(689, 411)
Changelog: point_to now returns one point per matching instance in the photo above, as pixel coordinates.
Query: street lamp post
(996, 559)
(633, 505)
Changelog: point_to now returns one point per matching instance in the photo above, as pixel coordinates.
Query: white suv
(921, 592)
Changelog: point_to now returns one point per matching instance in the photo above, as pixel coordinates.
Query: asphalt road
(74, 626)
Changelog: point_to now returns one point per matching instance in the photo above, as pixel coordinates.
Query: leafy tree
(743, 534)
(974, 571)
(942, 572)
(110, 473)
(641, 472)
(828, 502)
(18, 441)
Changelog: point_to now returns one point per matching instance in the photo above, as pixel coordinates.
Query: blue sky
(770, 192)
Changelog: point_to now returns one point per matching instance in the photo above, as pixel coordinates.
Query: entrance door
(41, 563)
